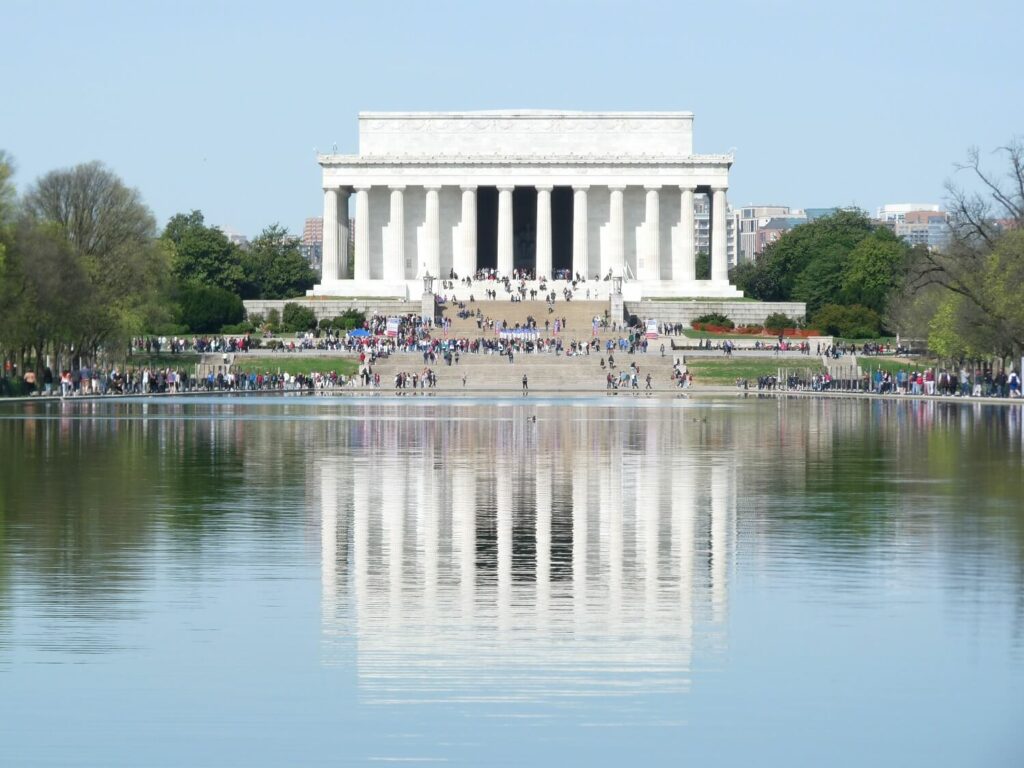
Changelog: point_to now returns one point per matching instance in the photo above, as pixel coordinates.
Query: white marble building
(550, 192)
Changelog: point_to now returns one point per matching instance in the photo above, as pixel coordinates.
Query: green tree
(297, 317)
(983, 263)
(207, 308)
(7, 203)
(874, 269)
(111, 236)
(203, 255)
(274, 267)
(831, 238)
(702, 267)
(851, 322)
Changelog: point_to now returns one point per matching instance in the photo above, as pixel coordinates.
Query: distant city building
(760, 225)
(895, 212)
(702, 228)
(813, 214)
(924, 227)
(311, 244)
(235, 237)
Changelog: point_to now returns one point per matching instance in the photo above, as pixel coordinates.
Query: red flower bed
(756, 330)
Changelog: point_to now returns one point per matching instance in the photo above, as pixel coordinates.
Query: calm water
(316, 582)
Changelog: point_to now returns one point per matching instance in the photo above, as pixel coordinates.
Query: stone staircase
(545, 371)
(578, 316)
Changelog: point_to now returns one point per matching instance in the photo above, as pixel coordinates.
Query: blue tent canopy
(359, 333)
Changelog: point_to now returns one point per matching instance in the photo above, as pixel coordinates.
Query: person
(525, 385)
(463, 380)
(648, 381)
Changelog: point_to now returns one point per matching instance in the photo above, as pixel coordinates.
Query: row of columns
(336, 235)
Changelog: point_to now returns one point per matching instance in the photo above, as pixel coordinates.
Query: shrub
(777, 321)
(753, 328)
(207, 309)
(296, 317)
(854, 321)
(349, 319)
(170, 329)
(238, 329)
(255, 318)
(714, 318)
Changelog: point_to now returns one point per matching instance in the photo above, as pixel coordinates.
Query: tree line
(860, 281)
(84, 267)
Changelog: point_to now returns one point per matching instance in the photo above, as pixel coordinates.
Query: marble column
(651, 269)
(617, 241)
(344, 267)
(432, 261)
(329, 254)
(505, 257)
(362, 254)
(543, 232)
(580, 250)
(394, 264)
(684, 258)
(719, 237)
(467, 263)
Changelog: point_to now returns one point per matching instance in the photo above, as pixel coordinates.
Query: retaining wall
(740, 312)
(328, 308)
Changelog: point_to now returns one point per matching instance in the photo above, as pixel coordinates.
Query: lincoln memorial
(535, 194)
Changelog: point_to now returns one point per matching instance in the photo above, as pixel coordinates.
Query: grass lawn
(294, 365)
(726, 371)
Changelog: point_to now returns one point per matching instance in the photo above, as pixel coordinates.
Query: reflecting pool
(319, 581)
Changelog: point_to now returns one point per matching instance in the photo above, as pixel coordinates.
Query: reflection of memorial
(519, 560)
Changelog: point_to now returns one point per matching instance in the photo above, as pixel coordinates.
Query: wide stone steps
(578, 316)
(544, 371)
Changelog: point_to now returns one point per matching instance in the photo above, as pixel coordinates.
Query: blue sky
(219, 105)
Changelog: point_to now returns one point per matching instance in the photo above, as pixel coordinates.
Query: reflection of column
(503, 502)
(543, 533)
(362, 254)
(543, 232)
(393, 519)
(428, 509)
(580, 478)
(328, 543)
(647, 509)
(719, 541)
(464, 525)
(580, 250)
(505, 260)
(615, 532)
(683, 498)
(361, 536)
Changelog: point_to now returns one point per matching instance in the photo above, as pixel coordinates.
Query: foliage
(778, 321)
(983, 264)
(207, 309)
(274, 267)
(203, 255)
(349, 319)
(854, 321)
(714, 318)
(875, 267)
(297, 317)
(83, 267)
(703, 265)
(243, 328)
